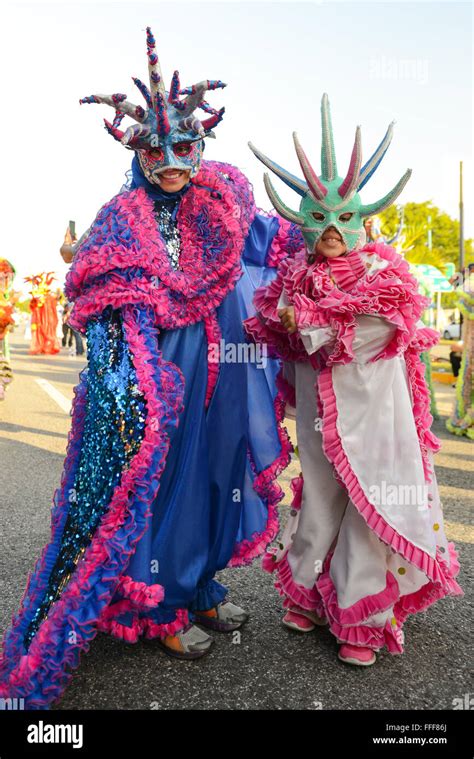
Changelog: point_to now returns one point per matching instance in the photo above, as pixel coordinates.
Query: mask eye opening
(182, 148)
(346, 217)
(317, 216)
(154, 154)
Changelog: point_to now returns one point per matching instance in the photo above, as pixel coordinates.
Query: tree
(418, 219)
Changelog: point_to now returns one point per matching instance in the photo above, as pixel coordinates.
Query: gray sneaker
(226, 617)
(190, 643)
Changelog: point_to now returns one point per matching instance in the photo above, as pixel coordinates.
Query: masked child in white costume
(364, 545)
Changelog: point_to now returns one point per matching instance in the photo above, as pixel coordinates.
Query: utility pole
(461, 245)
(461, 223)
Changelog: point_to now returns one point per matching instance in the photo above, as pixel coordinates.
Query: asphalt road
(267, 666)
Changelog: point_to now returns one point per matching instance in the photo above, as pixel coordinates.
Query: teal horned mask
(330, 200)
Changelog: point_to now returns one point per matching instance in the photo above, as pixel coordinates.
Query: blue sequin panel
(114, 428)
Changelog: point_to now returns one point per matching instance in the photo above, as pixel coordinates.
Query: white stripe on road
(63, 402)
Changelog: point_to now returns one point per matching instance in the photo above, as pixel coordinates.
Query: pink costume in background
(44, 315)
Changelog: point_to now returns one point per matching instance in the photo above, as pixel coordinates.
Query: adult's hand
(67, 248)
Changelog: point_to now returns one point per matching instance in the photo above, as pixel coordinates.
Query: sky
(402, 61)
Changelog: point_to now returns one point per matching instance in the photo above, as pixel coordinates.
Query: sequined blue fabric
(114, 428)
(165, 213)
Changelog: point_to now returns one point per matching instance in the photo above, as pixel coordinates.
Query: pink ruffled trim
(139, 593)
(431, 592)
(152, 630)
(267, 488)
(286, 391)
(282, 243)
(346, 623)
(362, 609)
(421, 402)
(347, 270)
(213, 335)
(116, 518)
(124, 235)
(296, 485)
(391, 292)
(335, 453)
(306, 598)
(370, 637)
(143, 626)
(266, 327)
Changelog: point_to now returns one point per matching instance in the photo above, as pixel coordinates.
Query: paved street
(268, 667)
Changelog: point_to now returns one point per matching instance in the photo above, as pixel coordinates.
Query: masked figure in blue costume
(174, 449)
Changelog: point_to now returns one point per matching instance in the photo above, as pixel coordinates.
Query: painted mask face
(170, 159)
(330, 200)
(167, 134)
(345, 218)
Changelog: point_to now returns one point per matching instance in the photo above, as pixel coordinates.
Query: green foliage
(418, 219)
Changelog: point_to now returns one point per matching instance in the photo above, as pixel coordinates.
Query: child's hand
(287, 318)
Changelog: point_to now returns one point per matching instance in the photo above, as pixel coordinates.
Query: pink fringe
(152, 630)
(266, 327)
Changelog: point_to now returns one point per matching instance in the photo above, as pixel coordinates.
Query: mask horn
(278, 204)
(315, 186)
(375, 160)
(351, 181)
(195, 94)
(154, 69)
(144, 91)
(119, 103)
(135, 132)
(175, 87)
(289, 179)
(116, 133)
(213, 120)
(328, 153)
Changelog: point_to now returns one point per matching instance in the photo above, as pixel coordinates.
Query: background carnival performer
(7, 307)
(461, 422)
(174, 449)
(365, 544)
(44, 315)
